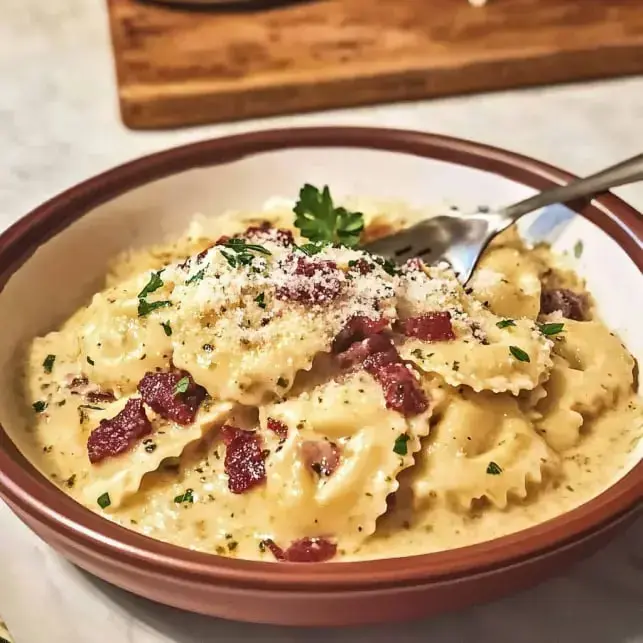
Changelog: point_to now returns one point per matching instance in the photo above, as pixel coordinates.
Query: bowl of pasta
(213, 397)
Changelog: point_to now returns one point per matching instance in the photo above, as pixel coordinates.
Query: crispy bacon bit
(265, 232)
(361, 265)
(321, 456)
(78, 385)
(278, 428)
(380, 358)
(201, 256)
(357, 329)
(159, 392)
(308, 281)
(244, 459)
(98, 396)
(117, 435)
(401, 390)
(571, 304)
(431, 327)
(375, 345)
(304, 550)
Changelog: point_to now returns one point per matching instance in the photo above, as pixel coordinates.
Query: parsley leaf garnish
(182, 385)
(260, 300)
(400, 447)
(519, 354)
(185, 497)
(90, 361)
(167, 328)
(153, 284)
(493, 469)
(48, 364)
(104, 501)
(243, 252)
(388, 266)
(311, 249)
(145, 307)
(319, 220)
(196, 277)
(503, 323)
(39, 406)
(551, 329)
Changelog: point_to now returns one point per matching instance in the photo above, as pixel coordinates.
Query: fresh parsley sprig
(319, 220)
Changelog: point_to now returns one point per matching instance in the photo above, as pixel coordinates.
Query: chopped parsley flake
(311, 249)
(578, 249)
(90, 361)
(104, 501)
(167, 328)
(145, 307)
(182, 385)
(196, 277)
(503, 323)
(493, 469)
(185, 497)
(388, 266)
(519, 354)
(319, 220)
(551, 329)
(416, 352)
(400, 447)
(243, 252)
(153, 284)
(48, 364)
(260, 300)
(39, 406)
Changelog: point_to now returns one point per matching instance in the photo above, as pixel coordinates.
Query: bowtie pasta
(262, 388)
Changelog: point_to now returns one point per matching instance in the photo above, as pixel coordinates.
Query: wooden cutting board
(183, 67)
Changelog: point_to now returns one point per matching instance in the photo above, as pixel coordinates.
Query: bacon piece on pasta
(244, 460)
(174, 395)
(430, 327)
(118, 434)
(304, 550)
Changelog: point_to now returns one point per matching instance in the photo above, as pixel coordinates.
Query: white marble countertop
(59, 124)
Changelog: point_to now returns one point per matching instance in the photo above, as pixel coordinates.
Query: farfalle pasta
(263, 388)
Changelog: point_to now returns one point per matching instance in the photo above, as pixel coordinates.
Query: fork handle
(628, 171)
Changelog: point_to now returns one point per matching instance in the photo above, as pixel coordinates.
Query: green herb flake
(145, 307)
(578, 249)
(312, 249)
(519, 354)
(551, 329)
(388, 266)
(104, 501)
(319, 220)
(90, 361)
(39, 406)
(417, 353)
(493, 469)
(196, 277)
(400, 447)
(153, 284)
(48, 364)
(167, 328)
(185, 497)
(504, 323)
(182, 385)
(260, 300)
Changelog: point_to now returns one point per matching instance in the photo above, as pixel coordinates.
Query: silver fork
(460, 239)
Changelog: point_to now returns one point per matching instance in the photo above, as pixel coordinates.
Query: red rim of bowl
(26, 490)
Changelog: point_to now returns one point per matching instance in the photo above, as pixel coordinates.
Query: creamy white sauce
(218, 521)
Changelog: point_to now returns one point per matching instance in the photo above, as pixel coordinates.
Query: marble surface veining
(59, 124)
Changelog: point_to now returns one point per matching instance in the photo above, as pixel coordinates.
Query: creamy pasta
(259, 396)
